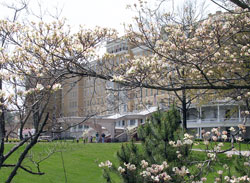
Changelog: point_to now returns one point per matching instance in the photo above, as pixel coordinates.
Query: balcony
(216, 115)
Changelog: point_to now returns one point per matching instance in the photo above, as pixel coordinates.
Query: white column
(239, 114)
(200, 115)
(126, 123)
(112, 130)
(218, 115)
(197, 120)
(136, 122)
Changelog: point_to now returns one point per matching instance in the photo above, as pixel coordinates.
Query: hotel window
(215, 113)
(125, 108)
(132, 122)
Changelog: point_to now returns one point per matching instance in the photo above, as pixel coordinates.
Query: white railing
(213, 122)
(209, 120)
(216, 120)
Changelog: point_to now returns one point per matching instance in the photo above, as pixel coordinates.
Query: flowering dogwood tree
(34, 60)
(191, 54)
(212, 52)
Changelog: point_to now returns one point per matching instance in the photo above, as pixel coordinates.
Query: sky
(104, 13)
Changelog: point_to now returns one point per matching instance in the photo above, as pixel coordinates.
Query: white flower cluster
(215, 134)
(187, 140)
(56, 86)
(234, 179)
(177, 144)
(121, 170)
(203, 179)
(178, 154)
(144, 164)
(211, 156)
(106, 164)
(155, 172)
(218, 146)
(182, 171)
(129, 166)
(242, 128)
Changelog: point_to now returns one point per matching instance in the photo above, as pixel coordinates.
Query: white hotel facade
(133, 107)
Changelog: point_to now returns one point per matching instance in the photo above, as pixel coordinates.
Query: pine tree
(155, 135)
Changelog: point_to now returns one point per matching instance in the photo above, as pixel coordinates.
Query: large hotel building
(105, 108)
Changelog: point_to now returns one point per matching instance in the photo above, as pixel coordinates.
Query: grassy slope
(80, 163)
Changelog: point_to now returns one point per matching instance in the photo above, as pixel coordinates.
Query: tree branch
(25, 169)
(240, 4)
(24, 153)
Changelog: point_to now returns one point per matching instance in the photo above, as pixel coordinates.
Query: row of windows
(79, 127)
(98, 101)
(98, 90)
(73, 94)
(118, 48)
(146, 93)
(131, 122)
(73, 114)
(73, 104)
(91, 81)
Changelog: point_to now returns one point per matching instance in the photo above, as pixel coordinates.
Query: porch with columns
(108, 123)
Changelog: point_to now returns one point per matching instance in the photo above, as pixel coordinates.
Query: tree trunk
(184, 110)
(26, 150)
(2, 127)
(35, 109)
(21, 132)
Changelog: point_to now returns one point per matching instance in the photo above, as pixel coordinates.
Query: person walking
(103, 137)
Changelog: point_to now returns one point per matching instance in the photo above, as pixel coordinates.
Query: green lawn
(80, 163)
